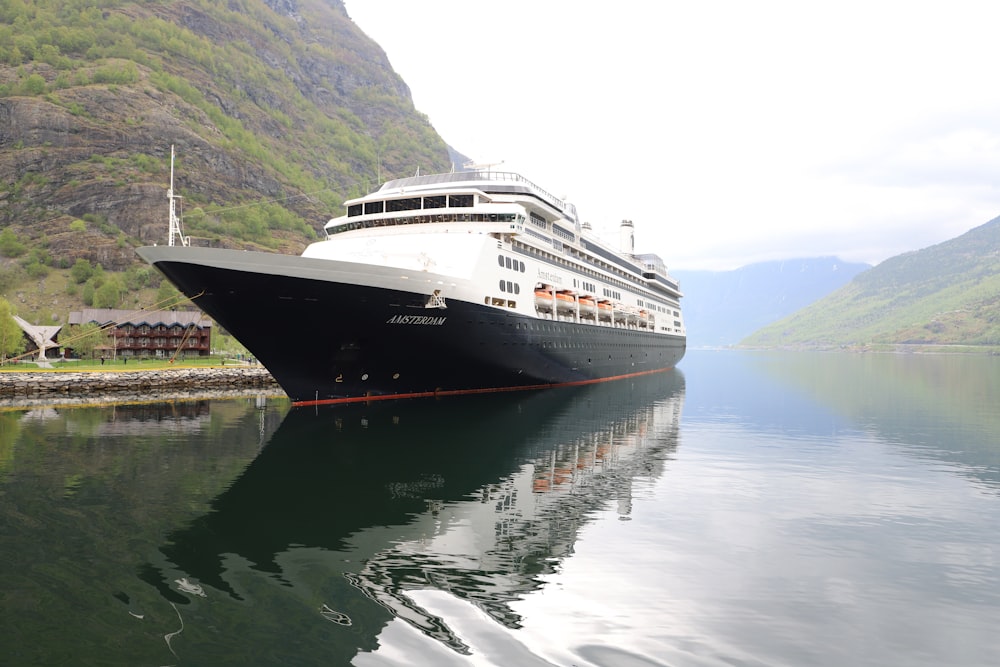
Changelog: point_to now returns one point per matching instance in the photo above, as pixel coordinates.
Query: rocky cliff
(278, 109)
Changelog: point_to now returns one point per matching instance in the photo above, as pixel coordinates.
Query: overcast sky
(729, 132)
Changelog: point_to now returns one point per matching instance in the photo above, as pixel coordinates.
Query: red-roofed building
(151, 333)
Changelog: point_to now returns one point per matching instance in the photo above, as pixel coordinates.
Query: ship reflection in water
(349, 509)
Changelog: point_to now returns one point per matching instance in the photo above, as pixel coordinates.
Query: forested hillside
(947, 294)
(279, 110)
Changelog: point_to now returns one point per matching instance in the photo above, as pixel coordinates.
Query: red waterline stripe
(460, 392)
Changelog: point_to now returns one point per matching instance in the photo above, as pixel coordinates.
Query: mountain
(278, 109)
(723, 307)
(947, 294)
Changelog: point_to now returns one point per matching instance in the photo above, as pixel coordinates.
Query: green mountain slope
(947, 294)
(279, 110)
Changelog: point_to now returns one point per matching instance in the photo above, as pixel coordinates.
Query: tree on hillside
(109, 294)
(85, 338)
(81, 271)
(167, 295)
(11, 336)
(10, 244)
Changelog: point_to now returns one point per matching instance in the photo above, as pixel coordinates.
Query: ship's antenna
(175, 222)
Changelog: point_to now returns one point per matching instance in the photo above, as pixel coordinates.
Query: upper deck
(431, 185)
(467, 198)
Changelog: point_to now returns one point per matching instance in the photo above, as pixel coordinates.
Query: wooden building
(39, 341)
(150, 333)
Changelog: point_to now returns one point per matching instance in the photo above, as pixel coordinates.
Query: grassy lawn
(120, 365)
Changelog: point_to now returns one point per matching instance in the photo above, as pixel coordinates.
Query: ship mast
(175, 222)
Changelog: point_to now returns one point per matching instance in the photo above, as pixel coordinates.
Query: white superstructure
(508, 244)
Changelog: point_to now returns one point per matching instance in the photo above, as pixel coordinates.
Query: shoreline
(34, 384)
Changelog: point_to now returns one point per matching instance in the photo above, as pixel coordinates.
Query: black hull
(324, 340)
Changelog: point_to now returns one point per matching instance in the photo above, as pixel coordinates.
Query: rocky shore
(81, 383)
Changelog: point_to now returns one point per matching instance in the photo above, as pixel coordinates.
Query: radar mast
(175, 222)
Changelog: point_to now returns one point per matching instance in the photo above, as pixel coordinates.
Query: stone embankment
(75, 383)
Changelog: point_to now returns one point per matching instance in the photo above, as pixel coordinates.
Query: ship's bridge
(488, 182)
(504, 218)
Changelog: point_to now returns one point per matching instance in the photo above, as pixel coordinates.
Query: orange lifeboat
(543, 300)
(565, 303)
(588, 307)
(604, 311)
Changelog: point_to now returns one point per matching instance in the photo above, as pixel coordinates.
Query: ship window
(537, 220)
(502, 285)
(409, 204)
(517, 288)
(521, 267)
(354, 209)
(500, 260)
(566, 234)
(374, 207)
(437, 201)
(510, 286)
(459, 201)
(508, 262)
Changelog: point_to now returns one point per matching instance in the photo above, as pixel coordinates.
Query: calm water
(748, 509)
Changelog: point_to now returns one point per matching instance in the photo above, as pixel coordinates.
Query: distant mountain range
(944, 295)
(721, 308)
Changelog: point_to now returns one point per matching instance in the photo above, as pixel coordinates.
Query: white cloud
(729, 132)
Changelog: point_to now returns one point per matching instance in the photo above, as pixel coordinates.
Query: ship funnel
(627, 237)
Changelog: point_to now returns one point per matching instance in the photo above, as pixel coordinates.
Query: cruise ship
(459, 282)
